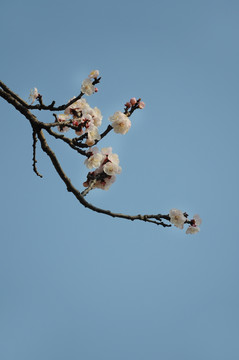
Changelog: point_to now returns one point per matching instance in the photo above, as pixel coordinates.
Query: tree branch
(46, 148)
(34, 136)
(15, 96)
(37, 127)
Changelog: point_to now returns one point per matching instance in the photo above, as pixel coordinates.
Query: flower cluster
(107, 167)
(179, 219)
(62, 118)
(85, 120)
(87, 86)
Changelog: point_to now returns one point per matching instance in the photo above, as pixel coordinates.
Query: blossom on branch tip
(94, 74)
(177, 218)
(141, 105)
(33, 95)
(87, 87)
(194, 226)
(120, 122)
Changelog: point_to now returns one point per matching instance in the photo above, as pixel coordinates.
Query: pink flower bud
(96, 89)
(133, 101)
(141, 105)
(128, 105)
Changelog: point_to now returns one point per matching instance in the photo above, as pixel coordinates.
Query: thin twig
(51, 107)
(66, 140)
(34, 136)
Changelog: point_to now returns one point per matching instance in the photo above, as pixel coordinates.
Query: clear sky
(80, 285)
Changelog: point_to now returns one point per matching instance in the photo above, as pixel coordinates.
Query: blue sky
(80, 285)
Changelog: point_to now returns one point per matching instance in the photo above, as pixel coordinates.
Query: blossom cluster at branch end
(83, 118)
(107, 167)
(87, 86)
(133, 103)
(178, 218)
(120, 122)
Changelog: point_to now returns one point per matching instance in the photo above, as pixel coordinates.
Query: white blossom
(106, 151)
(113, 158)
(94, 74)
(93, 134)
(111, 168)
(194, 227)
(96, 115)
(78, 106)
(120, 122)
(177, 218)
(110, 162)
(95, 159)
(197, 220)
(192, 230)
(87, 87)
(141, 105)
(33, 95)
(88, 120)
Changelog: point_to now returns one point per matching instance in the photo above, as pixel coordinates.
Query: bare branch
(34, 136)
(67, 140)
(15, 96)
(51, 107)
